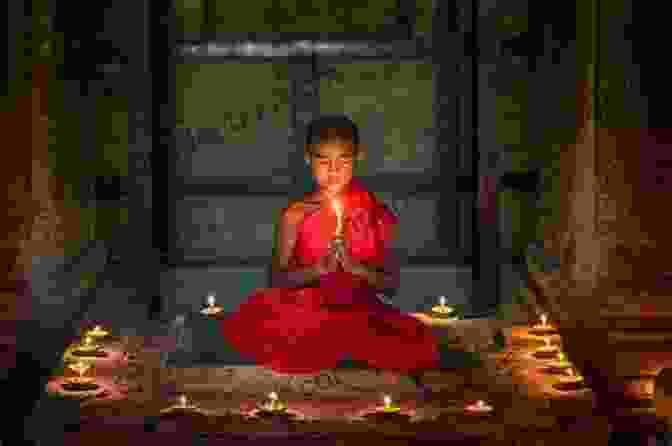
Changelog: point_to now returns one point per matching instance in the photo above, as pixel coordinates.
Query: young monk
(323, 304)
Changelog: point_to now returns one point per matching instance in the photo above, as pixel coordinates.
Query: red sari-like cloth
(305, 330)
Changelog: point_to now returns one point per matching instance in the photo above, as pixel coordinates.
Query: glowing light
(338, 209)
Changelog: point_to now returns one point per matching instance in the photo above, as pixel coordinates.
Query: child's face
(331, 164)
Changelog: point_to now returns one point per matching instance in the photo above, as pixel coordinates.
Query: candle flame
(442, 300)
(544, 318)
(273, 396)
(387, 400)
(183, 400)
(337, 206)
(339, 214)
(97, 328)
(211, 300)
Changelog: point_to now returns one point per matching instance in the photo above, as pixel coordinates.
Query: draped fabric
(305, 330)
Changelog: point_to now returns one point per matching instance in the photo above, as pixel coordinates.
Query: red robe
(305, 330)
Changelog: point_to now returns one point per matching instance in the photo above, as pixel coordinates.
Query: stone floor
(333, 404)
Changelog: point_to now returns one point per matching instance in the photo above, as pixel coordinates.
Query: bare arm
(284, 275)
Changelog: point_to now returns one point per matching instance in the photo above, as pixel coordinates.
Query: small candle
(182, 401)
(442, 309)
(274, 404)
(88, 344)
(543, 329)
(339, 216)
(387, 405)
(97, 332)
(479, 407)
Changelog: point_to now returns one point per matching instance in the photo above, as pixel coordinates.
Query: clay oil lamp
(548, 351)
(544, 328)
(182, 407)
(479, 408)
(97, 332)
(80, 383)
(571, 381)
(387, 412)
(272, 408)
(89, 348)
(443, 311)
(211, 307)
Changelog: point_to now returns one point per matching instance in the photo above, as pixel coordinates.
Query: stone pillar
(613, 301)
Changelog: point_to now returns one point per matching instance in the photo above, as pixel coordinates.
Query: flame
(544, 318)
(442, 300)
(273, 396)
(387, 400)
(97, 328)
(183, 401)
(211, 300)
(338, 209)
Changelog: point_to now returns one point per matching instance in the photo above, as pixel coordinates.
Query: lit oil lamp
(479, 408)
(97, 332)
(88, 347)
(211, 306)
(338, 243)
(389, 412)
(548, 351)
(338, 209)
(388, 407)
(272, 408)
(88, 344)
(79, 383)
(543, 329)
(570, 381)
(442, 310)
(273, 404)
(182, 405)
